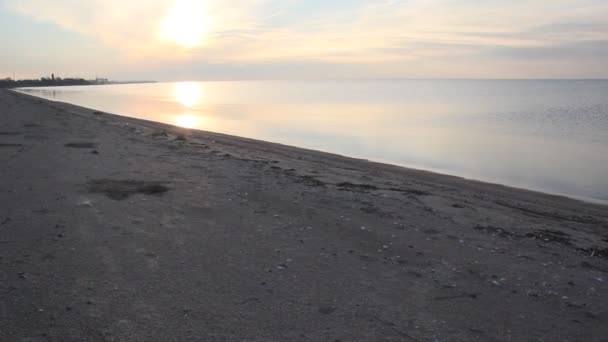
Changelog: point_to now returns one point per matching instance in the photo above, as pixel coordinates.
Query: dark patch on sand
(10, 145)
(551, 214)
(159, 134)
(370, 209)
(356, 187)
(497, 231)
(459, 296)
(547, 236)
(595, 252)
(411, 191)
(374, 210)
(551, 236)
(181, 137)
(10, 133)
(326, 310)
(311, 181)
(81, 145)
(122, 189)
(348, 186)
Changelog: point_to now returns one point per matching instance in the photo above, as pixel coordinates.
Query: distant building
(100, 80)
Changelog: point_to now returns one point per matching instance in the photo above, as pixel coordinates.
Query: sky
(177, 40)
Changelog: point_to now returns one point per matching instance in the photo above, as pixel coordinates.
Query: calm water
(545, 135)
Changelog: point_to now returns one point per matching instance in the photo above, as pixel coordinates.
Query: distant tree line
(44, 82)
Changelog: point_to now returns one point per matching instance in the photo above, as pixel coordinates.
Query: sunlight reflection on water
(188, 94)
(188, 121)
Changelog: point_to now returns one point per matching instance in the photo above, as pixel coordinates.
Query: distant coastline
(60, 82)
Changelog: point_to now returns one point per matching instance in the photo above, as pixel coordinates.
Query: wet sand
(117, 229)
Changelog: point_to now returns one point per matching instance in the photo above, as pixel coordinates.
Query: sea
(546, 135)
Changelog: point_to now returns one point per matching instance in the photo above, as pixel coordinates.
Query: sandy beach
(117, 229)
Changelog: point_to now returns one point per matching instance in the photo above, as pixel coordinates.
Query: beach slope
(117, 229)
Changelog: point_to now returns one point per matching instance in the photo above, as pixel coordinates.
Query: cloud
(126, 25)
(389, 32)
(582, 51)
(135, 26)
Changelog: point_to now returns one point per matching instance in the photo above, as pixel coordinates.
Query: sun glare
(188, 93)
(185, 24)
(188, 121)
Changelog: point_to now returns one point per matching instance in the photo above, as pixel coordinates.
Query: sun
(185, 24)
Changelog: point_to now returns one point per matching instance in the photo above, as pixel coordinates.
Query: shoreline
(120, 229)
(438, 172)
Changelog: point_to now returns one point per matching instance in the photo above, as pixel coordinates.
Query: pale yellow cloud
(415, 29)
(144, 28)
